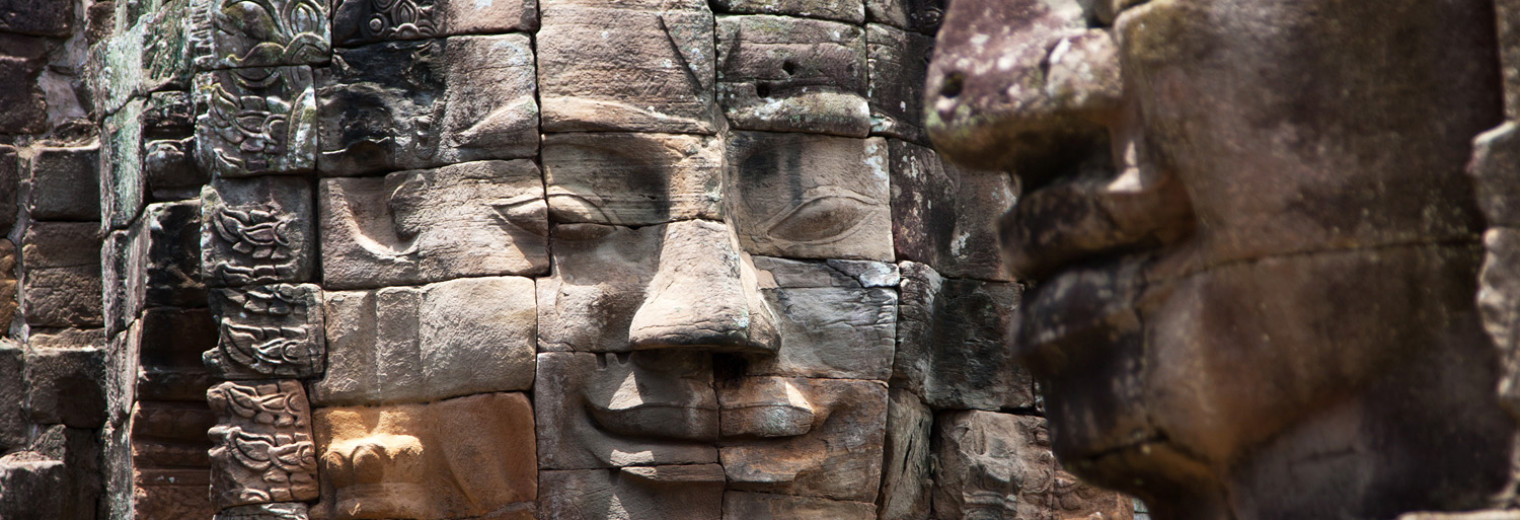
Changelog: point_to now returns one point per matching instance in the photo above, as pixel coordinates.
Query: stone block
(173, 340)
(39, 17)
(1499, 305)
(946, 216)
(267, 332)
(166, 58)
(952, 343)
(67, 386)
(469, 219)
(421, 104)
(63, 183)
(921, 16)
(367, 21)
(260, 34)
(803, 437)
(738, 505)
(256, 121)
(786, 74)
(457, 458)
(830, 324)
(169, 112)
(13, 392)
(996, 465)
(633, 179)
(683, 492)
(281, 511)
(615, 410)
(26, 107)
(643, 66)
(401, 344)
(906, 471)
(8, 285)
(116, 66)
(170, 465)
(609, 293)
(122, 183)
(852, 11)
(1507, 14)
(173, 249)
(263, 451)
(1495, 168)
(256, 231)
(121, 257)
(30, 488)
(171, 170)
(809, 196)
(10, 184)
(897, 66)
(61, 286)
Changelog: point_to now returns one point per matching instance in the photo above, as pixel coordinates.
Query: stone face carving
(468, 219)
(682, 492)
(256, 121)
(945, 216)
(952, 342)
(466, 457)
(262, 447)
(643, 66)
(261, 33)
(633, 179)
(785, 74)
(256, 231)
(403, 344)
(366, 21)
(992, 465)
(421, 104)
(896, 64)
(267, 331)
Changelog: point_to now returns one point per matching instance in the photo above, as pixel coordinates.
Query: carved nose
(704, 296)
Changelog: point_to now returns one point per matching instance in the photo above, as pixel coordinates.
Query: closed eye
(825, 214)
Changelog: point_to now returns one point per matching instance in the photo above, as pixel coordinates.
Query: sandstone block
(644, 66)
(31, 488)
(61, 286)
(282, 511)
(256, 231)
(786, 74)
(26, 110)
(260, 34)
(921, 16)
(599, 280)
(447, 339)
(263, 452)
(121, 183)
(116, 66)
(173, 340)
(166, 58)
(170, 464)
(738, 505)
(10, 183)
(13, 390)
(684, 492)
(952, 344)
(633, 179)
(267, 332)
(171, 170)
(1499, 303)
(421, 104)
(946, 216)
(367, 21)
(615, 410)
(46, 18)
(8, 284)
(852, 11)
(830, 324)
(469, 219)
(170, 111)
(63, 183)
(172, 274)
(808, 196)
(67, 386)
(256, 121)
(897, 66)
(906, 470)
(456, 458)
(804, 437)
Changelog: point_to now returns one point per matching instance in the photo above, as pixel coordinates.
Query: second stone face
(468, 219)
(788, 74)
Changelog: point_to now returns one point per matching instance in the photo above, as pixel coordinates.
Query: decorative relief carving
(256, 121)
(267, 331)
(256, 231)
(263, 450)
(261, 33)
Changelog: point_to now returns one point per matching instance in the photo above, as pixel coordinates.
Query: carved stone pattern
(256, 33)
(270, 331)
(263, 448)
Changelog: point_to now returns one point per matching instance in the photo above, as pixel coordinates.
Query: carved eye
(824, 214)
(582, 231)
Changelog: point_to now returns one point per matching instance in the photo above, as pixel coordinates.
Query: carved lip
(664, 421)
(1078, 313)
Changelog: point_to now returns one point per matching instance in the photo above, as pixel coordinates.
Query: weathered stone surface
(121, 181)
(63, 183)
(169, 460)
(172, 231)
(166, 59)
(260, 34)
(739, 505)
(456, 458)
(61, 285)
(906, 470)
(9, 303)
(804, 196)
(267, 332)
(31, 488)
(1479, 515)
(952, 343)
(830, 325)
(897, 63)
(367, 21)
(67, 386)
(13, 390)
(282, 511)
(788, 74)
(26, 108)
(921, 16)
(256, 121)
(256, 231)
(615, 410)
(263, 450)
(633, 179)
(993, 465)
(845, 11)
(599, 280)
(173, 340)
(469, 219)
(10, 184)
(946, 216)
(804, 437)
(1495, 167)
(171, 170)
(447, 339)
(47, 18)
(1499, 302)
(683, 492)
(403, 105)
(644, 66)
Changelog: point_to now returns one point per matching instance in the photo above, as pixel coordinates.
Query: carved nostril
(952, 85)
(789, 68)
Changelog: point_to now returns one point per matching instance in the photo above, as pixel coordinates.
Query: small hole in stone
(954, 81)
(788, 67)
(762, 90)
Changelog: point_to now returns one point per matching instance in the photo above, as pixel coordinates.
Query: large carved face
(1248, 234)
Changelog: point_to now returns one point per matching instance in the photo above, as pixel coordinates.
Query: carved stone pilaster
(267, 331)
(262, 448)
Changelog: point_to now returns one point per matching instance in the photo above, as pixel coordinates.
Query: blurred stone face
(1246, 239)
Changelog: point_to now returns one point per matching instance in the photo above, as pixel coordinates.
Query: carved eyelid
(809, 199)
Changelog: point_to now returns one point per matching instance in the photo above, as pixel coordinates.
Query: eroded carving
(256, 231)
(262, 33)
(256, 121)
(263, 451)
(271, 331)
